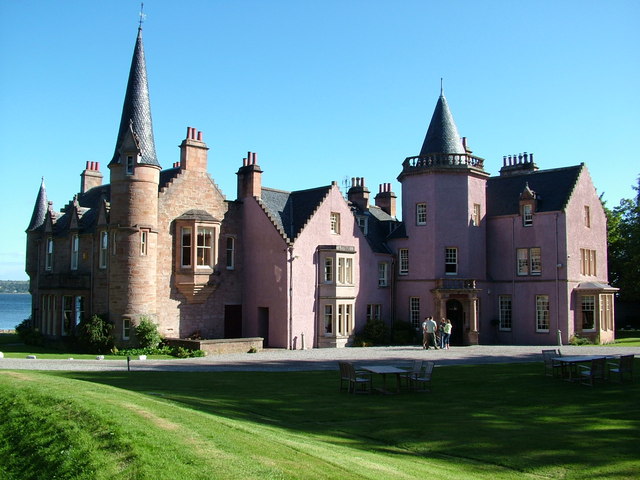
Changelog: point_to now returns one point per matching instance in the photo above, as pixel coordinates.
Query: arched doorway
(455, 313)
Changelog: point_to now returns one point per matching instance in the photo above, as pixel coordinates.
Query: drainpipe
(290, 325)
(558, 287)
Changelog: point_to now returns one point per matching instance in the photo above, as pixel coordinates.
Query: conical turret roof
(136, 111)
(442, 135)
(39, 209)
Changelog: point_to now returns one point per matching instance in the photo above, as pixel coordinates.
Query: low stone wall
(219, 345)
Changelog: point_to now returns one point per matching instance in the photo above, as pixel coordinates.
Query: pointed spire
(136, 110)
(442, 135)
(39, 209)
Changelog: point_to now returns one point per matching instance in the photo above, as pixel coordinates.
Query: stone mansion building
(516, 258)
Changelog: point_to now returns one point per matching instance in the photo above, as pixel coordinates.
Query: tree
(624, 246)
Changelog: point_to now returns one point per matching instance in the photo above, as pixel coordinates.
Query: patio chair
(596, 371)
(422, 381)
(344, 376)
(552, 367)
(359, 381)
(623, 367)
(414, 371)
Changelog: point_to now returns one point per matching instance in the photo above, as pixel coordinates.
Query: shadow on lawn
(509, 415)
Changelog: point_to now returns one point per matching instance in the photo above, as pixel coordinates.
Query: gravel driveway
(317, 359)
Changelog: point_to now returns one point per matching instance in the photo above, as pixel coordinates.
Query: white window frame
(505, 313)
(363, 223)
(345, 271)
(535, 259)
(126, 328)
(104, 249)
(588, 308)
(383, 274)
(451, 260)
(328, 270)
(527, 215)
(345, 319)
(403, 261)
(542, 313)
(231, 253)
(588, 262)
(75, 250)
(129, 166)
(414, 312)
(476, 215)
(421, 213)
(205, 251)
(78, 309)
(67, 315)
(328, 320)
(335, 223)
(48, 258)
(522, 261)
(606, 311)
(374, 311)
(186, 248)
(144, 242)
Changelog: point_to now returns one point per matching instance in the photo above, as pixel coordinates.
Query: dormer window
(75, 249)
(363, 223)
(527, 215)
(129, 164)
(48, 258)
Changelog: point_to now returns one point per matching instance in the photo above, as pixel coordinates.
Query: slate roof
(442, 135)
(290, 211)
(167, 175)
(39, 209)
(380, 225)
(552, 188)
(136, 110)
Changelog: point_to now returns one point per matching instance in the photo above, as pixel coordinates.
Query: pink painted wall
(265, 275)
(450, 197)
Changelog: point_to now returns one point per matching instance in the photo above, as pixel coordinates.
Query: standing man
(429, 328)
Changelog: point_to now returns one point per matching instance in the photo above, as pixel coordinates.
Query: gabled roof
(380, 225)
(136, 110)
(442, 135)
(39, 209)
(552, 189)
(290, 211)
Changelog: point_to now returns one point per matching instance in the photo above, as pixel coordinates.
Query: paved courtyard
(317, 359)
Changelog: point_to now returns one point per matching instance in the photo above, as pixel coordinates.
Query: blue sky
(322, 90)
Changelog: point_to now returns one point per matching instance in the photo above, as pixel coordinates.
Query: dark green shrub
(28, 334)
(147, 333)
(375, 332)
(94, 335)
(578, 340)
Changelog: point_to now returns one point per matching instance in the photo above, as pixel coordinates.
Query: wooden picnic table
(384, 370)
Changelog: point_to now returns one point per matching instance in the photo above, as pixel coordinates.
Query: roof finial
(142, 14)
(441, 87)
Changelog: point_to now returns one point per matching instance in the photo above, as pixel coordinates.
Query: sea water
(14, 308)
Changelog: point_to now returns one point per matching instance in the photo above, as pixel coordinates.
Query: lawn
(480, 422)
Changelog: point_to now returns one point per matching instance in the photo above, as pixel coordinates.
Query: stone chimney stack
(386, 199)
(193, 152)
(249, 177)
(90, 177)
(358, 194)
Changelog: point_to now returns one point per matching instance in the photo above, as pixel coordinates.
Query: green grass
(480, 422)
